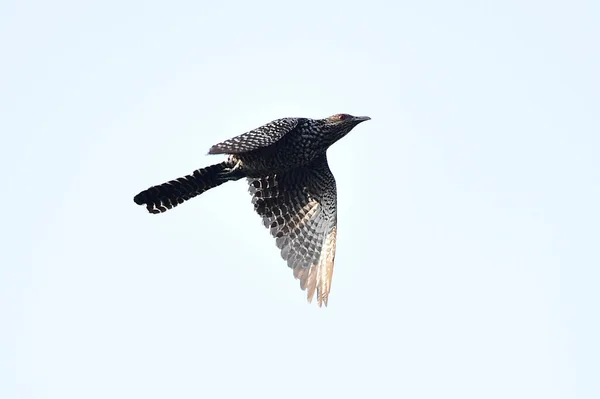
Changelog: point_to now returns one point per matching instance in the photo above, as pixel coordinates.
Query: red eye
(343, 117)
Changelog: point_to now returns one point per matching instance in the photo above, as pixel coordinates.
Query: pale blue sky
(468, 229)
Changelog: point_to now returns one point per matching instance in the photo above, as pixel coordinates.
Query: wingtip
(322, 294)
(323, 301)
(215, 150)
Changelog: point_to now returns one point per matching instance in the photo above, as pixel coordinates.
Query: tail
(168, 195)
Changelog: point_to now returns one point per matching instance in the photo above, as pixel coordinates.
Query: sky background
(468, 250)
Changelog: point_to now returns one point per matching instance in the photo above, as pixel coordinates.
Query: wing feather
(260, 137)
(299, 208)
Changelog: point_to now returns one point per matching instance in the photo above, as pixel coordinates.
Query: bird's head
(346, 120)
(339, 125)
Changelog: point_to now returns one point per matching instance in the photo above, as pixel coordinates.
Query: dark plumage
(291, 185)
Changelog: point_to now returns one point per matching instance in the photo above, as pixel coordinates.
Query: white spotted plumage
(292, 189)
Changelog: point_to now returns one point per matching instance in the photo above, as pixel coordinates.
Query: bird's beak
(359, 119)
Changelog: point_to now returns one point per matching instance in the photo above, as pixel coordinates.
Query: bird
(291, 185)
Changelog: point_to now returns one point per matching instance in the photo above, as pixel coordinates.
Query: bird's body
(291, 185)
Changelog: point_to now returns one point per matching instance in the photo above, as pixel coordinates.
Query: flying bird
(292, 188)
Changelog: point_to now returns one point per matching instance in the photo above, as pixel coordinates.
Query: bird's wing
(260, 137)
(299, 207)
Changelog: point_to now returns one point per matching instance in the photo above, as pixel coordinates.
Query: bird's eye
(342, 117)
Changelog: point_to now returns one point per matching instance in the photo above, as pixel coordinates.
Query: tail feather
(165, 196)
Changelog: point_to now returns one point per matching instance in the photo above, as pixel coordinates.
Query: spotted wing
(299, 208)
(260, 137)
